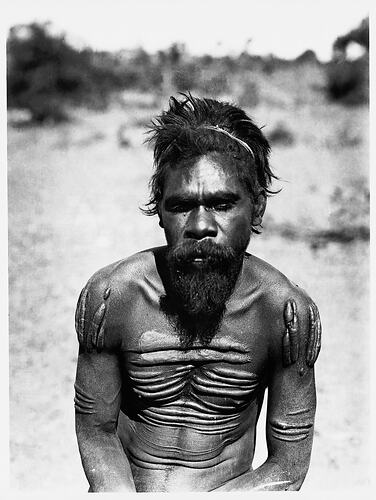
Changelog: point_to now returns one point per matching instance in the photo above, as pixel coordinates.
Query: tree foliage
(46, 75)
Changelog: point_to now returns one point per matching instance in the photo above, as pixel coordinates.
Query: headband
(242, 143)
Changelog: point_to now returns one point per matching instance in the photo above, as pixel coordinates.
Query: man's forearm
(105, 464)
(268, 477)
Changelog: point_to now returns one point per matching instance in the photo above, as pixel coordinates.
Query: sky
(283, 27)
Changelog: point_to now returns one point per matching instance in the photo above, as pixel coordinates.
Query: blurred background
(84, 79)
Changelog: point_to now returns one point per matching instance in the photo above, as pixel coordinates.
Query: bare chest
(196, 387)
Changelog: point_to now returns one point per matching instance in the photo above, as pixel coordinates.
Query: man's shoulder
(293, 317)
(111, 288)
(272, 284)
(125, 272)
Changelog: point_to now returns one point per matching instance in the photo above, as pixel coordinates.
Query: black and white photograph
(187, 210)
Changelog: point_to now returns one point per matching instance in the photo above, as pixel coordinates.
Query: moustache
(205, 251)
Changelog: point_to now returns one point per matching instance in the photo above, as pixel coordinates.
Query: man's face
(206, 201)
(206, 213)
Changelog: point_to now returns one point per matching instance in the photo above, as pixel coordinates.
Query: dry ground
(73, 198)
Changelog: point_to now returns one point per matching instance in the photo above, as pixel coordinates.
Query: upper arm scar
(290, 340)
(90, 333)
(314, 339)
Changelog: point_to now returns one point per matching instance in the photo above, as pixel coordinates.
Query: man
(179, 343)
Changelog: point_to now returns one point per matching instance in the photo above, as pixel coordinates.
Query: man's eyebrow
(222, 196)
(216, 196)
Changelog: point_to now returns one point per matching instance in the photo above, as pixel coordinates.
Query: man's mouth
(194, 262)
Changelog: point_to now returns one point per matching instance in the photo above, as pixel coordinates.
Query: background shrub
(280, 134)
(347, 80)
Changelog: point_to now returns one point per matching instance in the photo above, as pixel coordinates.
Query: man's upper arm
(291, 389)
(98, 378)
(98, 392)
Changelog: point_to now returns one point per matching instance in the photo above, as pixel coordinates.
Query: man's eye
(178, 209)
(222, 207)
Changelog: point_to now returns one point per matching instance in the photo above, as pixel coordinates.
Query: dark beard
(196, 295)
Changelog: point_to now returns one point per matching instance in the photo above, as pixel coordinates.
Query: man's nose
(201, 224)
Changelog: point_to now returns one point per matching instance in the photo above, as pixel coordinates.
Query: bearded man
(179, 343)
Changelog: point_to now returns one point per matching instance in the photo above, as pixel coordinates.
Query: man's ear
(259, 208)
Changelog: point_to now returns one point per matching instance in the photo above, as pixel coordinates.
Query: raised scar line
(82, 405)
(299, 412)
(224, 385)
(168, 392)
(199, 380)
(286, 437)
(80, 410)
(229, 371)
(251, 378)
(182, 412)
(218, 391)
(213, 406)
(204, 355)
(155, 387)
(283, 426)
(83, 395)
(143, 374)
(157, 380)
(168, 375)
(209, 428)
(189, 418)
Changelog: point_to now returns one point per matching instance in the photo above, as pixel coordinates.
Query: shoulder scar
(90, 331)
(290, 341)
(314, 337)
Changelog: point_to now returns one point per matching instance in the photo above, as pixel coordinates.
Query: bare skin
(153, 416)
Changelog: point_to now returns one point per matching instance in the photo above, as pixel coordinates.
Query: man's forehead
(206, 170)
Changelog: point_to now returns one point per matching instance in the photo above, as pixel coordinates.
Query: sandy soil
(73, 198)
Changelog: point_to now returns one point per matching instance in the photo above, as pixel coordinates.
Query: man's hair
(193, 127)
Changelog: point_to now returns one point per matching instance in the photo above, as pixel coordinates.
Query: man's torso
(185, 412)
